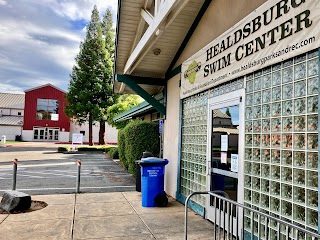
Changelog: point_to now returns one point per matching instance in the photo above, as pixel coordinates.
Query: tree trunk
(90, 129)
(102, 131)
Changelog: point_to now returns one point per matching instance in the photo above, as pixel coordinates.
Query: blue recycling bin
(152, 180)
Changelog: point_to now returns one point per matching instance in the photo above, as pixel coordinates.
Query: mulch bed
(35, 205)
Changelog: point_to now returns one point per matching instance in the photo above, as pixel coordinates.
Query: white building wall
(4, 111)
(171, 133)
(64, 136)
(14, 112)
(75, 128)
(111, 134)
(10, 132)
(11, 112)
(27, 135)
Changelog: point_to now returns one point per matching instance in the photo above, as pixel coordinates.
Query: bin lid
(153, 161)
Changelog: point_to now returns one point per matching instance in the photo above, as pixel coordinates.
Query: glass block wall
(194, 139)
(281, 141)
(194, 146)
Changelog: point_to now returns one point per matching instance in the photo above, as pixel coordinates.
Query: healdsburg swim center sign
(276, 31)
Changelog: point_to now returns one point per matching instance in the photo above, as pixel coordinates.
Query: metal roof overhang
(150, 36)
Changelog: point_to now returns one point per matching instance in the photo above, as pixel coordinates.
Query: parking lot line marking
(47, 172)
(5, 178)
(37, 165)
(71, 171)
(23, 175)
(46, 189)
(103, 162)
(85, 175)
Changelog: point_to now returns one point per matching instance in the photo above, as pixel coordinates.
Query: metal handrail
(252, 212)
(186, 213)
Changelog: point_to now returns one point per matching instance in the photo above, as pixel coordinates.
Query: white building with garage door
(11, 115)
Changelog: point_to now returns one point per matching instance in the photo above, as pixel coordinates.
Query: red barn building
(44, 118)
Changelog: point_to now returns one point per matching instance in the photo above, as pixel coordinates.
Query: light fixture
(156, 51)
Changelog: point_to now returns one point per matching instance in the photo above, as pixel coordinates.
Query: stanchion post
(14, 180)
(78, 175)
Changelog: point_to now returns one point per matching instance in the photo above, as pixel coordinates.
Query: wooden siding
(47, 92)
(169, 42)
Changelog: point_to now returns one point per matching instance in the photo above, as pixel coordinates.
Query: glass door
(41, 133)
(53, 134)
(224, 147)
(224, 153)
(56, 134)
(36, 134)
(50, 134)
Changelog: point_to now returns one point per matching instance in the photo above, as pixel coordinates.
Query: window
(46, 107)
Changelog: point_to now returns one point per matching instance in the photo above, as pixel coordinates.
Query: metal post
(160, 136)
(14, 182)
(160, 155)
(78, 176)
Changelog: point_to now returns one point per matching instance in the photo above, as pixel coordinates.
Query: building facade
(255, 61)
(11, 115)
(44, 118)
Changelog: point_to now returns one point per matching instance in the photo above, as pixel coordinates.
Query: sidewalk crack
(140, 217)
(74, 215)
(4, 219)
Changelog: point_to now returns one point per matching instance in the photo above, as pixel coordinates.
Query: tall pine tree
(90, 80)
(108, 33)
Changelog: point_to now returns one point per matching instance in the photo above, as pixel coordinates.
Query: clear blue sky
(39, 40)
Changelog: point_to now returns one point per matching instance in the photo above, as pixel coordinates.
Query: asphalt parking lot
(41, 170)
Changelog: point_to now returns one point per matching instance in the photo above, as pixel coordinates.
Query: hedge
(101, 148)
(114, 153)
(90, 149)
(63, 149)
(109, 148)
(140, 136)
(122, 148)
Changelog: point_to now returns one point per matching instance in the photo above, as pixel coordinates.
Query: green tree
(90, 84)
(124, 103)
(108, 32)
(228, 112)
(107, 94)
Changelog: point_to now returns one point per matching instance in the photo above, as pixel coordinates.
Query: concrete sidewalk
(117, 215)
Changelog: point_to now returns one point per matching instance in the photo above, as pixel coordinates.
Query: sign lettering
(276, 31)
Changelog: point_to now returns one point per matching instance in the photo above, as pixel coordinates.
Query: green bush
(107, 149)
(63, 149)
(140, 136)
(122, 148)
(89, 149)
(114, 153)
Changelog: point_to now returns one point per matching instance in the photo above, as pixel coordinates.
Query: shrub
(89, 149)
(108, 149)
(114, 153)
(63, 149)
(122, 148)
(140, 136)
